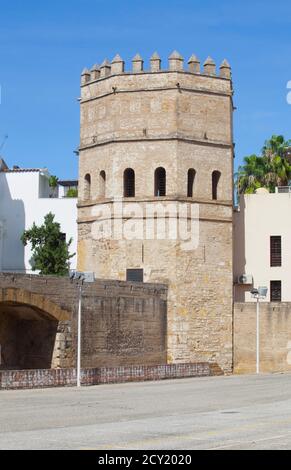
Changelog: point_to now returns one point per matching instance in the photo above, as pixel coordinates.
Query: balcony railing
(283, 189)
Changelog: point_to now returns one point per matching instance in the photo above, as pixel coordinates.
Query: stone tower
(153, 141)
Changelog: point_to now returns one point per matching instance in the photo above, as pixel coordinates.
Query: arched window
(190, 183)
(129, 183)
(87, 187)
(215, 180)
(102, 183)
(160, 182)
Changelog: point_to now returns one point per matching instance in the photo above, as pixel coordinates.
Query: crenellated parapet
(175, 64)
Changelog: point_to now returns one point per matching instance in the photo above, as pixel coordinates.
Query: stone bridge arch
(33, 330)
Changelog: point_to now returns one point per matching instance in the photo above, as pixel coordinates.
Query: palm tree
(275, 146)
(278, 172)
(53, 183)
(278, 169)
(269, 170)
(250, 176)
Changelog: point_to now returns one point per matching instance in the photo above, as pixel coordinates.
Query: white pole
(258, 336)
(79, 338)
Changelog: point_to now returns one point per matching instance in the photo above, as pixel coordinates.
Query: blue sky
(44, 45)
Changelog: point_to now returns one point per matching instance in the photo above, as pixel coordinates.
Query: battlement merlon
(111, 77)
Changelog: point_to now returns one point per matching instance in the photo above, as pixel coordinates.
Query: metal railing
(283, 189)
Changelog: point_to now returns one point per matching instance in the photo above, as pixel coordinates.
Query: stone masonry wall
(200, 287)
(275, 337)
(122, 323)
(177, 120)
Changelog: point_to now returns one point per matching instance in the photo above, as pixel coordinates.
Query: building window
(191, 179)
(87, 187)
(129, 183)
(276, 291)
(215, 180)
(134, 275)
(275, 251)
(160, 182)
(102, 183)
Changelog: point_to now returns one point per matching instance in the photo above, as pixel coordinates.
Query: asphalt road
(238, 412)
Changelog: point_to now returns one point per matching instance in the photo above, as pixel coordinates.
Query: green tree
(50, 250)
(269, 170)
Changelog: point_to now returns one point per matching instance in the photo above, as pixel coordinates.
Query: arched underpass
(29, 326)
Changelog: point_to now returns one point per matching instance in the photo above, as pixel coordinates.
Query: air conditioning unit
(245, 279)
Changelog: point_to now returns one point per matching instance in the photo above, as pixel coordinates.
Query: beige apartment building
(262, 245)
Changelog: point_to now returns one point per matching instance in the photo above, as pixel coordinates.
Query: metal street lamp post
(81, 277)
(258, 294)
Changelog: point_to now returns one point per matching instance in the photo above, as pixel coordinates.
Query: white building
(64, 186)
(262, 245)
(26, 197)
